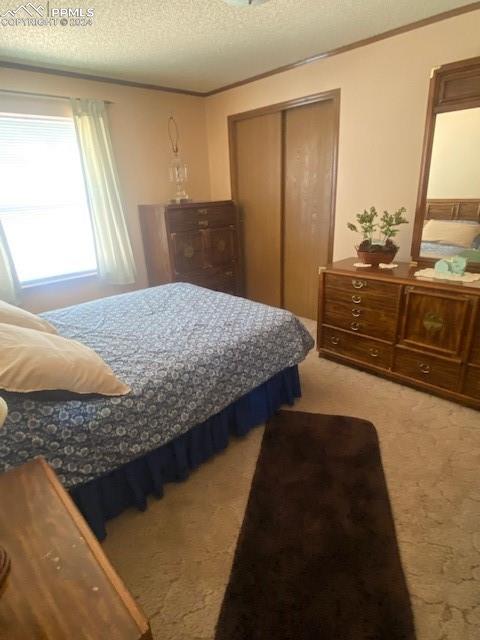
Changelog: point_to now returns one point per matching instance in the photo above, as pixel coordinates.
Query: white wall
(384, 89)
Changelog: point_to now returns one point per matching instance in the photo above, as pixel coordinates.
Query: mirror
(451, 218)
(448, 208)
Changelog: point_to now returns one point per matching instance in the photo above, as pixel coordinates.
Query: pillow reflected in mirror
(454, 233)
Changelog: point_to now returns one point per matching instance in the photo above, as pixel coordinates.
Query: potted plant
(377, 245)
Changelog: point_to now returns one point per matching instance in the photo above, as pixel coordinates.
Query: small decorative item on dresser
(455, 265)
(4, 559)
(445, 274)
(178, 169)
(377, 245)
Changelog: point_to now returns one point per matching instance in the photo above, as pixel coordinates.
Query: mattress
(186, 352)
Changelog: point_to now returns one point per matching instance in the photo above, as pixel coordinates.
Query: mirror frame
(453, 87)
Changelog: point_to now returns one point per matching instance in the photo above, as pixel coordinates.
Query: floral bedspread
(186, 352)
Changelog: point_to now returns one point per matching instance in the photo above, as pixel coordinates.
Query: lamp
(178, 169)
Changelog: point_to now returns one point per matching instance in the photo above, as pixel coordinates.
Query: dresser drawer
(203, 217)
(472, 382)
(357, 347)
(371, 293)
(356, 283)
(378, 323)
(366, 299)
(430, 369)
(216, 279)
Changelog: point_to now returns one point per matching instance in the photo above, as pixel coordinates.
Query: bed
(201, 365)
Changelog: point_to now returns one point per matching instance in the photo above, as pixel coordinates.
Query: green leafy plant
(378, 232)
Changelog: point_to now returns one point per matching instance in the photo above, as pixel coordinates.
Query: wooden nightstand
(60, 585)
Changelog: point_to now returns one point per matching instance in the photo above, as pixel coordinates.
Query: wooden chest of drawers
(197, 242)
(422, 333)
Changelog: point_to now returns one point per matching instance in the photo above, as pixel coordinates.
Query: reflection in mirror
(452, 215)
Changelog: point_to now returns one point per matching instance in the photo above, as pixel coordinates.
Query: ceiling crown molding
(89, 76)
(474, 6)
(451, 13)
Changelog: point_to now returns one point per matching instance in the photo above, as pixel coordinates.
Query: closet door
(309, 158)
(258, 168)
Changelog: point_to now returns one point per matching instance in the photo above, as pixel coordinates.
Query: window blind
(43, 206)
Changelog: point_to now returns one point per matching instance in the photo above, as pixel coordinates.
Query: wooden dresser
(421, 333)
(60, 586)
(197, 242)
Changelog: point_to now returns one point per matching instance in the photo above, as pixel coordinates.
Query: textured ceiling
(201, 44)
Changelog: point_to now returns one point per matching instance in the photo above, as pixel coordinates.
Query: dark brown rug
(317, 555)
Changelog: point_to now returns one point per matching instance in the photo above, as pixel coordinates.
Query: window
(43, 205)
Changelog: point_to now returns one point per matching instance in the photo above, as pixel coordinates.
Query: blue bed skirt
(129, 485)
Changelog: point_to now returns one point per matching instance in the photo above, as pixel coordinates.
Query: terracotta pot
(376, 257)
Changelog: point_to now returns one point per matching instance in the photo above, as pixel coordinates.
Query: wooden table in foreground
(61, 585)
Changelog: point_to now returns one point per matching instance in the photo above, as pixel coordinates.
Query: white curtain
(112, 244)
(9, 285)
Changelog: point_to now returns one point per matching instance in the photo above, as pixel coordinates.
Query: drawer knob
(203, 223)
(424, 368)
(374, 352)
(356, 312)
(229, 273)
(202, 212)
(354, 326)
(356, 299)
(334, 340)
(358, 284)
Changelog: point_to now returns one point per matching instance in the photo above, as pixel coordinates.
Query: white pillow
(21, 318)
(37, 361)
(450, 232)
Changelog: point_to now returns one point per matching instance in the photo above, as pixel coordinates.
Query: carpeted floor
(176, 557)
